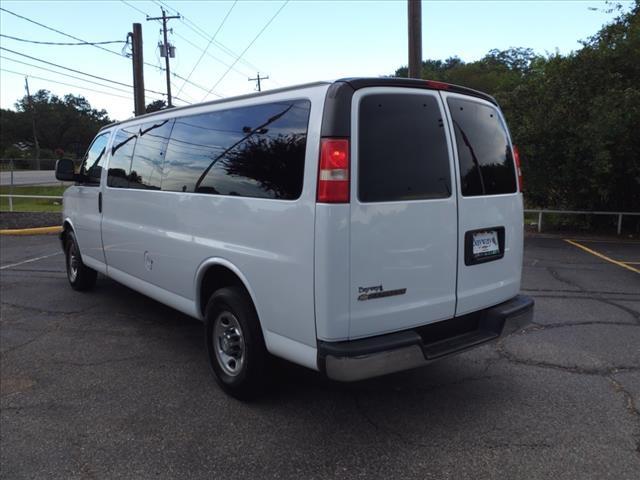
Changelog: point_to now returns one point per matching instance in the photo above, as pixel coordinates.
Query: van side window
(484, 154)
(255, 151)
(402, 149)
(146, 167)
(94, 159)
(121, 153)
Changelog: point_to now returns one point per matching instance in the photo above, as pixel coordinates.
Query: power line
(248, 47)
(63, 83)
(213, 37)
(97, 46)
(75, 71)
(60, 43)
(203, 33)
(84, 73)
(190, 82)
(134, 7)
(63, 74)
(58, 31)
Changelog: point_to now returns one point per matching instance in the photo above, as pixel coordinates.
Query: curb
(32, 231)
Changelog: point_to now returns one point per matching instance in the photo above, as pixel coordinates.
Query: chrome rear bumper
(375, 356)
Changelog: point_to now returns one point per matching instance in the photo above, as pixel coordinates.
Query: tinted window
(402, 149)
(94, 159)
(255, 151)
(486, 162)
(146, 168)
(121, 153)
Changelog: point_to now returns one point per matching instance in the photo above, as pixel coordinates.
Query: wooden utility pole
(415, 38)
(257, 80)
(166, 50)
(33, 122)
(138, 72)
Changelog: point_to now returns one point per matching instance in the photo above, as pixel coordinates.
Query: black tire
(80, 276)
(240, 370)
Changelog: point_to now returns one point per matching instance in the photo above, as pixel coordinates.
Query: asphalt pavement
(111, 384)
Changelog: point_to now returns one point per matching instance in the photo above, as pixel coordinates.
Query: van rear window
(484, 154)
(402, 149)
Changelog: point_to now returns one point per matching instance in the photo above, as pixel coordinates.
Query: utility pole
(415, 38)
(166, 50)
(138, 72)
(257, 79)
(33, 122)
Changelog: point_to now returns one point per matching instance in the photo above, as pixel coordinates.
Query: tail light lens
(516, 159)
(333, 171)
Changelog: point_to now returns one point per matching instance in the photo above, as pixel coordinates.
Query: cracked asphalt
(111, 384)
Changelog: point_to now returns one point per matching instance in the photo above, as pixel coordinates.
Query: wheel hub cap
(228, 343)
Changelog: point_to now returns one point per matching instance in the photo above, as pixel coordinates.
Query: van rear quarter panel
(271, 242)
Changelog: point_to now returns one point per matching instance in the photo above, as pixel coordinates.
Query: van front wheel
(79, 275)
(235, 345)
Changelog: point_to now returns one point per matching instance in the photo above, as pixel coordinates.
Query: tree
(156, 106)
(575, 117)
(68, 123)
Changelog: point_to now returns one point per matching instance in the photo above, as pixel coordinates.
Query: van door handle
(99, 202)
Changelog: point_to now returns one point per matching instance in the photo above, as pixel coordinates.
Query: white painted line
(11, 265)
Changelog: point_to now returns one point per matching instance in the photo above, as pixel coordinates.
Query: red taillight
(516, 159)
(333, 171)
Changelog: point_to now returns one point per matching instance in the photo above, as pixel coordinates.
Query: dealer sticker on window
(485, 244)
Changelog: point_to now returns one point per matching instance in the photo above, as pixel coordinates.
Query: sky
(291, 42)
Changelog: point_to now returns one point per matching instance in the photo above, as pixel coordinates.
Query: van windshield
(484, 153)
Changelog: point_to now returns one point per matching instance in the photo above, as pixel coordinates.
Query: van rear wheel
(235, 345)
(79, 275)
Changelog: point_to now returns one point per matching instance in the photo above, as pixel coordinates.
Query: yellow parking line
(632, 263)
(604, 257)
(31, 231)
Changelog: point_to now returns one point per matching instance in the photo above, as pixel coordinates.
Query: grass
(32, 204)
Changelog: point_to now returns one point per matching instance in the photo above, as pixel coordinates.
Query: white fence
(578, 212)
(11, 196)
(540, 212)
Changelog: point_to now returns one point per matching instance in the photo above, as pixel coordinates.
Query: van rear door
(403, 245)
(489, 205)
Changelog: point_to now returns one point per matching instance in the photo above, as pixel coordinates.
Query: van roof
(355, 83)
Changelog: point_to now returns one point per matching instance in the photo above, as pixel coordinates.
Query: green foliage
(68, 123)
(32, 204)
(576, 118)
(156, 106)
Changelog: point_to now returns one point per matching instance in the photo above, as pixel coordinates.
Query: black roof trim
(358, 83)
(266, 93)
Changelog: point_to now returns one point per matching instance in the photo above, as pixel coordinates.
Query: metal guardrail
(540, 212)
(11, 196)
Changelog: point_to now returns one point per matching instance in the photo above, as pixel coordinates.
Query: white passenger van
(358, 227)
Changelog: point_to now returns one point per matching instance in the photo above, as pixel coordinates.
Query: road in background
(29, 177)
(112, 384)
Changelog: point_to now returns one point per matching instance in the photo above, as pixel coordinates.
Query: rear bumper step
(371, 357)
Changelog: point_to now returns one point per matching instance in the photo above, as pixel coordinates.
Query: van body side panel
(162, 237)
(402, 252)
(332, 271)
(486, 284)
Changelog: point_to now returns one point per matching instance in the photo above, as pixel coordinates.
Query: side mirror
(66, 170)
